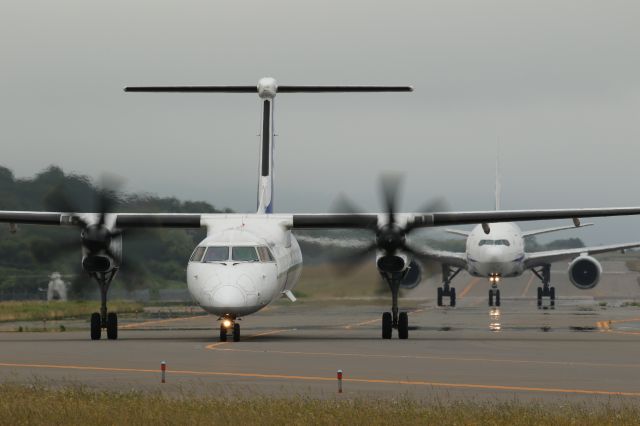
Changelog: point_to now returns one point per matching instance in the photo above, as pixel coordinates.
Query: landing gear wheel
(223, 333)
(452, 297)
(552, 296)
(539, 297)
(439, 296)
(96, 326)
(386, 325)
(112, 326)
(403, 326)
(236, 332)
(497, 297)
(490, 297)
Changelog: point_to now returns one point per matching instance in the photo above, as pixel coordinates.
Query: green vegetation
(37, 405)
(39, 310)
(155, 258)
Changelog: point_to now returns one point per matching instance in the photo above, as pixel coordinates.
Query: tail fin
(498, 188)
(267, 89)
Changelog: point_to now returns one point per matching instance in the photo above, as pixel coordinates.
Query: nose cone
(228, 297)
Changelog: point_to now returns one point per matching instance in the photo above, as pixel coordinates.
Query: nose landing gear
(227, 325)
(494, 291)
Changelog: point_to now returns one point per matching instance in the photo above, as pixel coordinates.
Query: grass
(40, 310)
(39, 405)
(325, 281)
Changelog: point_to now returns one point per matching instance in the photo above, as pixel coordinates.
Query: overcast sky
(557, 83)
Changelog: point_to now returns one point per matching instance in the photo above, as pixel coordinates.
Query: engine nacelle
(413, 276)
(97, 263)
(392, 263)
(584, 272)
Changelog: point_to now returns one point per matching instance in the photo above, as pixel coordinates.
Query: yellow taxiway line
(358, 324)
(605, 326)
(154, 322)
(469, 286)
(329, 379)
(436, 358)
(214, 346)
(526, 289)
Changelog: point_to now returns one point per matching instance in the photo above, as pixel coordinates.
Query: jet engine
(584, 272)
(413, 277)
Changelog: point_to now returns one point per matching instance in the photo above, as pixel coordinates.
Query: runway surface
(587, 347)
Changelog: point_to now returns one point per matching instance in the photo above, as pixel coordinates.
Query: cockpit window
(264, 254)
(216, 254)
(494, 243)
(197, 254)
(244, 254)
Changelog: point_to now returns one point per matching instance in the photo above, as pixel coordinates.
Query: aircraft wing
(548, 230)
(317, 221)
(458, 232)
(122, 220)
(451, 258)
(544, 257)
(418, 220)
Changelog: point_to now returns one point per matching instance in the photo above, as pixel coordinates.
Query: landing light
(226, 323)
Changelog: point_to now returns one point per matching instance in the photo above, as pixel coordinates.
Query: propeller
(96, 234)
(390, 236)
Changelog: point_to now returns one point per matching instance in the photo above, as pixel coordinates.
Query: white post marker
(339, 381)
(163, 369)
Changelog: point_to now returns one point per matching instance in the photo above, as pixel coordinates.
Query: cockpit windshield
(235, 254)
(244, 254)
(494, 243)
(216, 254)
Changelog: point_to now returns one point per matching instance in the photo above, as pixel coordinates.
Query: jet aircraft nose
(228, 296)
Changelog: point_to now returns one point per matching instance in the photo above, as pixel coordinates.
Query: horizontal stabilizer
(280, 89)
(193, 89)
(320, 89)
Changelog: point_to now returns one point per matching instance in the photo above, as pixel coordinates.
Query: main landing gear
(104, 319)
(544, 274)
(393, 319)
(494, 291)
(229, 326)
(446, 290)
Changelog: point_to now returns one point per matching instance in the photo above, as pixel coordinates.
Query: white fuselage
(498, 253)
(243, 267)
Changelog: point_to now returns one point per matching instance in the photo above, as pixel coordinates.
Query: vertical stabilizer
(498, 189)
(265, 180)
(266, 89)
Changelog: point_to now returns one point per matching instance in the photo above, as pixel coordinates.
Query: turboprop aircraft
(248, 260)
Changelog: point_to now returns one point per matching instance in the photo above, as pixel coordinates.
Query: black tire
(112, 326)
(490, 297)
(439, 296)
(497, 297)
(403, 326)
(223, 333)
(452, 297)
(96, 326)
(387, 325)
(236, 332)
(552, 293)
(539, 296)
